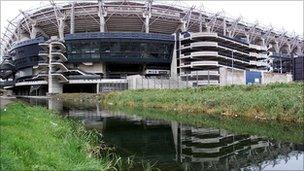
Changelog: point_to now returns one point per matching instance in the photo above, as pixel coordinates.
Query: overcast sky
(287, 15)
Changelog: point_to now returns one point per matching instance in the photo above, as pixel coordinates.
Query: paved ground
(4, 100)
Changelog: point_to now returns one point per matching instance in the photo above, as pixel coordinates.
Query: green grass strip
(34, 138)
(277, 102)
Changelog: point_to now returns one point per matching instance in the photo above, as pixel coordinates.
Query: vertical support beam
(247, 38)
(200, 22)
(102, 14)
(147, 21)
(147, 15)
(263, 41)
(276, 47)
(184, 27)
(97, 88)
(50, 79)
(61, 25)
(224, 26)
(33, 32)
(72, 18)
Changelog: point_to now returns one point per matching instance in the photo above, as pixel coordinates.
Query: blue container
(253, 77)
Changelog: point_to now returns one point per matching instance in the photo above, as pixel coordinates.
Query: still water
(176, 146)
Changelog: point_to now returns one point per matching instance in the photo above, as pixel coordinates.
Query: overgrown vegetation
(281, 102)
(34, 138)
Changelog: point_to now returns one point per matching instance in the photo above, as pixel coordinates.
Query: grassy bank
(36, 138)
(280, 102)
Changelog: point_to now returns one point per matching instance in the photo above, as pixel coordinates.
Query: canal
(171, 145)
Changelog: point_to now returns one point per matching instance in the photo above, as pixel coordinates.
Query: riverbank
(34, 138)
(276, 102)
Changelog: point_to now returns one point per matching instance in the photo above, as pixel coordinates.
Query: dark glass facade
(25, 56)
(124, 50)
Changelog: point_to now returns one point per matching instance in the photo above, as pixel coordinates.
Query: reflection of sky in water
(294, 162)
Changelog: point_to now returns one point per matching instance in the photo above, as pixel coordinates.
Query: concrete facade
(268, 77)
(230, 76)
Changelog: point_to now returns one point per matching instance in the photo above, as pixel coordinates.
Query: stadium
(102, 45)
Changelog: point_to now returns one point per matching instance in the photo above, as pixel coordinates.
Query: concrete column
(248, 38)
(184, 27)
(61, 28)
(289, 49)
(200, 22)
(33, 33)
(97, 88)
(208, 29)
(50, 79)
(263, 41)
(276, 47)
(72, 19)
(147, 15)
(224, 27)
(101, 14)
(147, 22)
(174, 59)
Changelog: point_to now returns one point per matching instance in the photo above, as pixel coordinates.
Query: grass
(279, 102)
(34, 138)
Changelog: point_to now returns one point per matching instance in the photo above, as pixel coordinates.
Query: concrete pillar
(263, 41)
(248, 38)
(200, 22)
(55, 105)
(276, 47)
(72, 19)
(208, 29)
(147, 22)
(97, 88)
(184, 27)
(174, 59)
(102, 14)
(33, 33)
(50, 79)
(61, 28)
(224, 27)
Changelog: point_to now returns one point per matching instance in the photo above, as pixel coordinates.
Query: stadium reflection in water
(175, 146)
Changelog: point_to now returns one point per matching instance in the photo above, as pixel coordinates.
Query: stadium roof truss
(112, 16)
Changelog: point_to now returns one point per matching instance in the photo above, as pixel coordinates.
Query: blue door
(253, 77)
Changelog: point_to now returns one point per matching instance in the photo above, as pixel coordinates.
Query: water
(176, 146)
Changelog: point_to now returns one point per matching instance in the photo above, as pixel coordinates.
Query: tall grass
(281, 102)
(33, 138)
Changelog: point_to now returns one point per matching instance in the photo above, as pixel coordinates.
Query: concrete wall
(269, 77)
(92, 67)
(56, 87)
(139, 82)
(229, 76)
